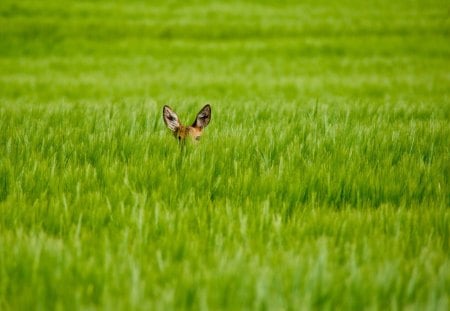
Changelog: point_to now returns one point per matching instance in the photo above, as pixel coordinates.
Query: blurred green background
(92, 51)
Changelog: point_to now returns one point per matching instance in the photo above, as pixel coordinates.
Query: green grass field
(321, 183)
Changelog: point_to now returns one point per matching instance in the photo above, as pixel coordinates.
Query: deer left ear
(203, 117)
(171, 119)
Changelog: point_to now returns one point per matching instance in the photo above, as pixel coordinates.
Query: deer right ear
(170, 119)
(203, 117)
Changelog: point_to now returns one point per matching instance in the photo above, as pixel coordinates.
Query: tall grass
(322, 181)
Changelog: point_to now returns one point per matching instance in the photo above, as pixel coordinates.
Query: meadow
(321, 183)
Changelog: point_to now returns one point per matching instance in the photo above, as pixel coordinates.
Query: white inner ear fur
(203, 117)
(171, 119)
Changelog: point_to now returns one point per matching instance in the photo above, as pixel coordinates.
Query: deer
(182, 132)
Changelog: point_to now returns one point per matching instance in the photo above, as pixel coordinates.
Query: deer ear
(170, 119)
(203, 117)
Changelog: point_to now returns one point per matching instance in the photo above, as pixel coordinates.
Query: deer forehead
(184, 131)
